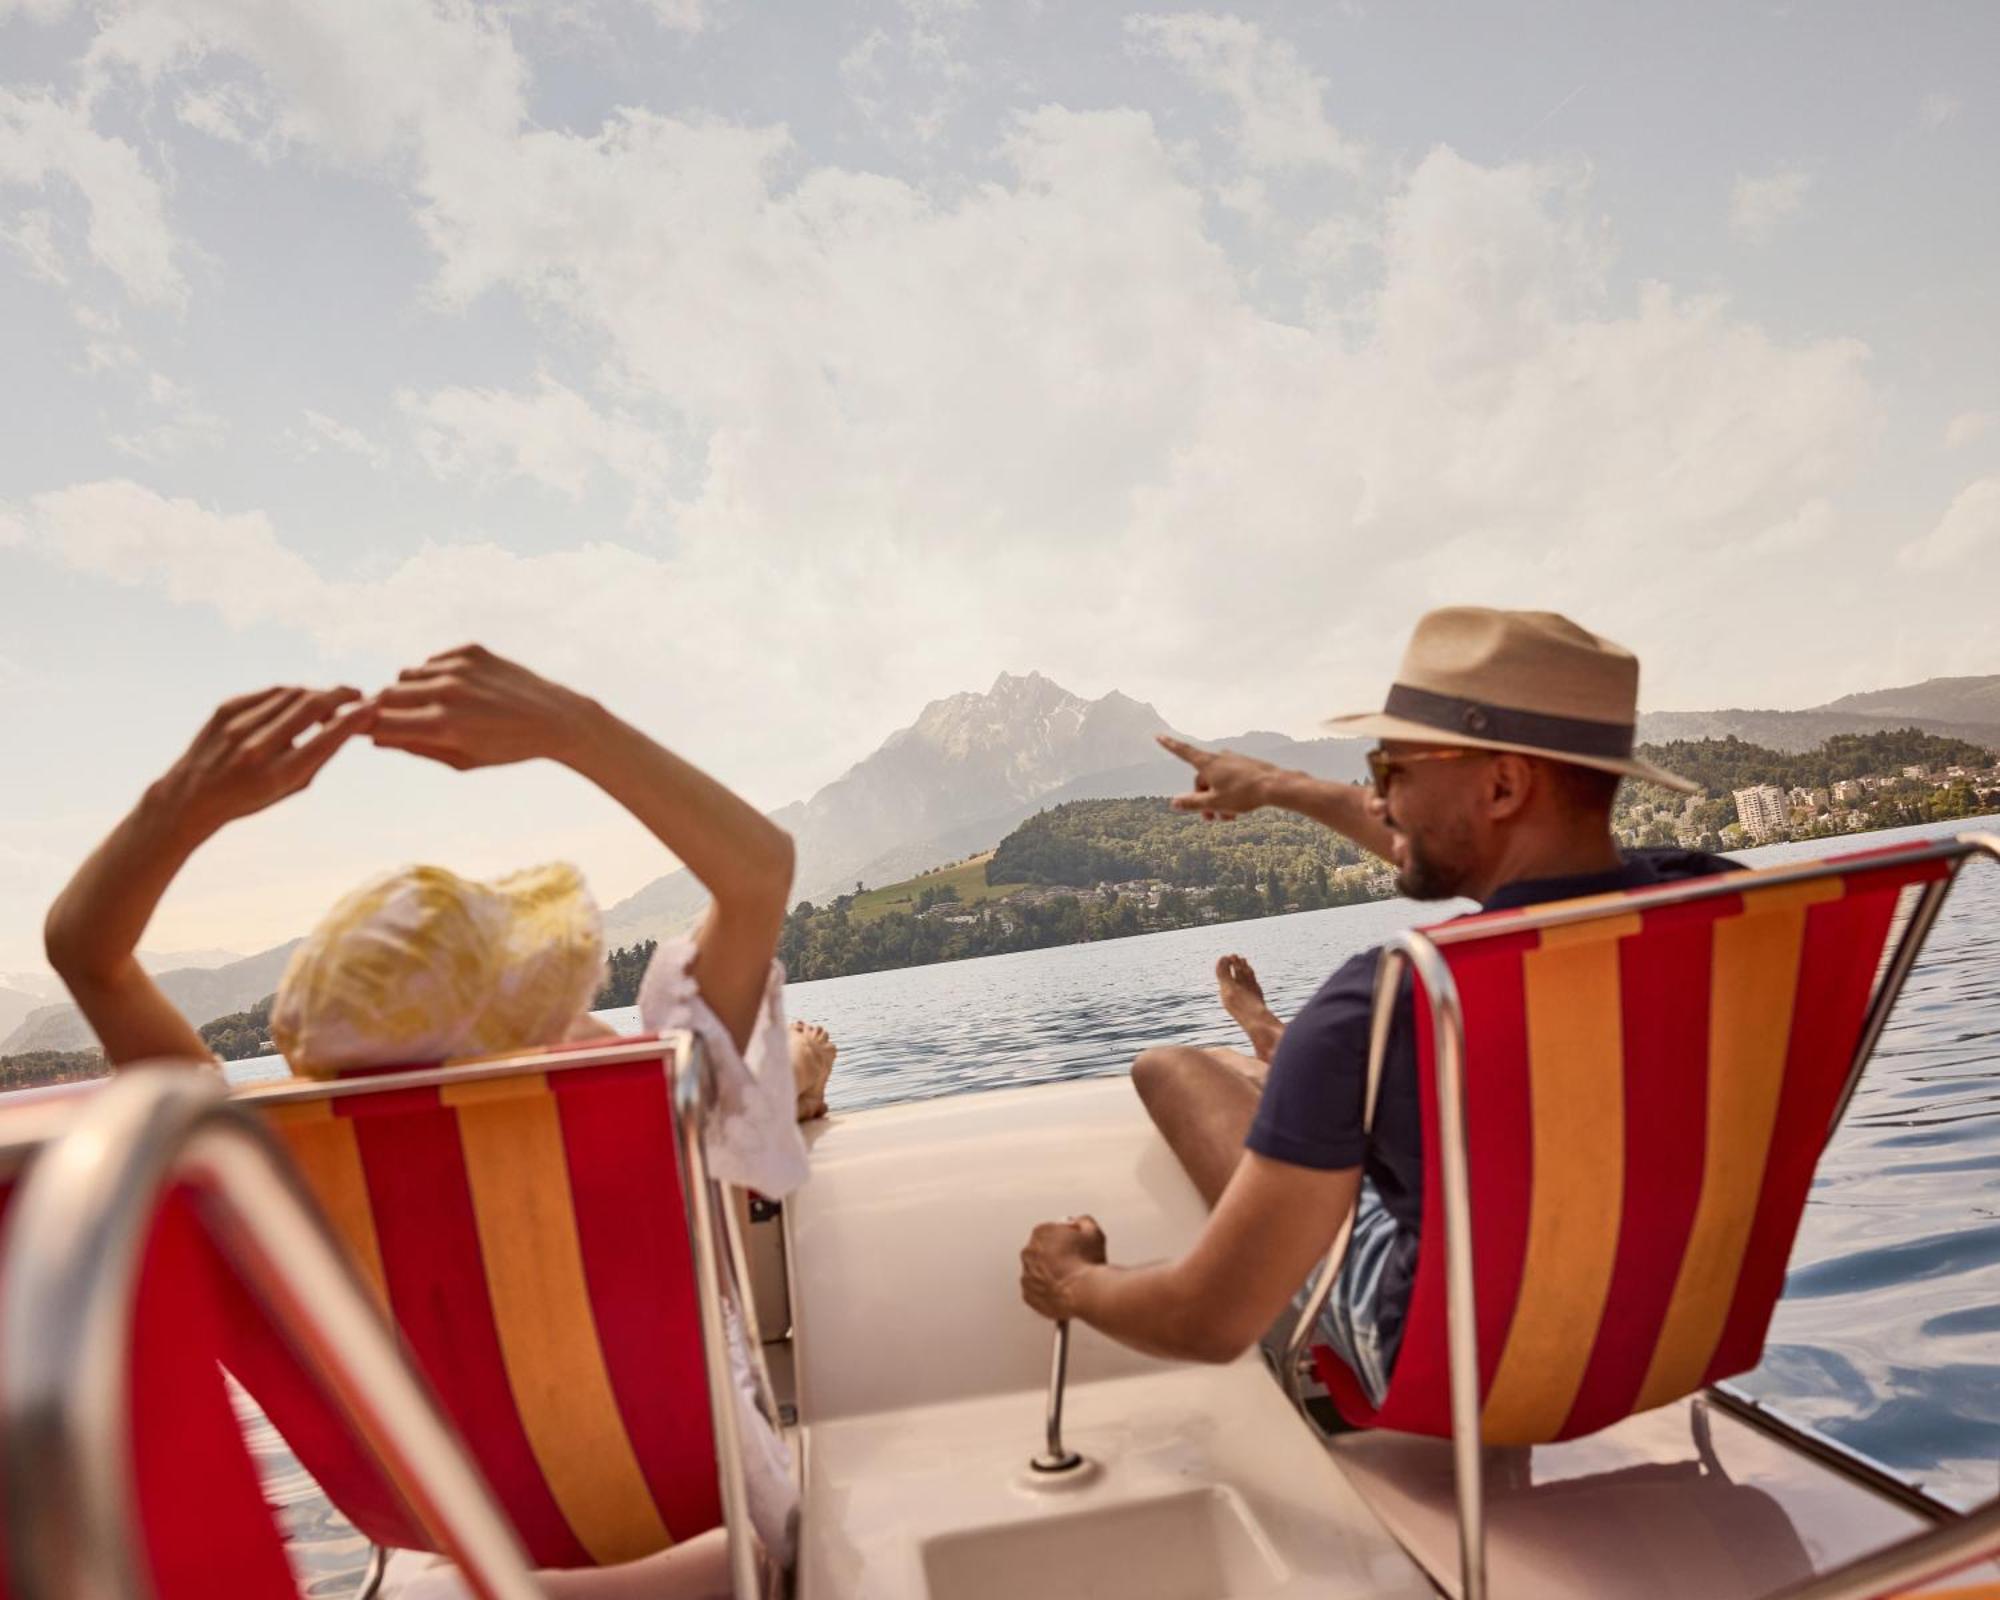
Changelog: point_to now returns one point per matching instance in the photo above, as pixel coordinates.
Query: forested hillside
(1093, 869)
(1721, 766)
(1088, 842)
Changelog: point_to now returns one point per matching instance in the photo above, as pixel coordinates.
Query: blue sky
(771, 370)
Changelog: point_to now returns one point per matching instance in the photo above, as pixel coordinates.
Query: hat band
(1570, 736)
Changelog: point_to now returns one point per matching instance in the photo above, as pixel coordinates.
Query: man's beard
(1431, 874)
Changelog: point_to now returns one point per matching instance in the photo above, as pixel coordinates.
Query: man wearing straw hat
(1502, 744)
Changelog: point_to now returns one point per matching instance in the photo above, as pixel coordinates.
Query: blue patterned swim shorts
(1351, 1321)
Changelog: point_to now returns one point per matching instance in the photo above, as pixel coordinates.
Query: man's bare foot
(812, 1064)
(1243, 999)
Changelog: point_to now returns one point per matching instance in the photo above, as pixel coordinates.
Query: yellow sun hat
(421, 965)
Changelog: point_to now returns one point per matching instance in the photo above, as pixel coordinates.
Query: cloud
(130, 535)
(1055, 387)
(1970, 525)
(33, 239)
(1056, 383)
(43, 138)
(683, 16)
(1967, 426)
(1938, 108)
(551, 436)
(362, 82)
(322, 433)
(233, 113)
(1278, 100)
(907, 82)
(1758, 205)
(187, 426)
(163, 441)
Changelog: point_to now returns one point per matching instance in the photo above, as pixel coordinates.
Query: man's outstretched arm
(1227, 784)
(1271, 1227)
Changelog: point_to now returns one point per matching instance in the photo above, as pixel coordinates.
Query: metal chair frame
(1942, 1549)
(72, 1263)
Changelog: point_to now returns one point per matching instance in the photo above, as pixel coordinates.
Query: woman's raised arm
(251, 753)
(471, 708)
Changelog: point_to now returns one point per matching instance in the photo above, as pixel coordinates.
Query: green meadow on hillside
(964, 883)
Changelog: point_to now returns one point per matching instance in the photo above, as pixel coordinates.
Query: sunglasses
(1383, 767)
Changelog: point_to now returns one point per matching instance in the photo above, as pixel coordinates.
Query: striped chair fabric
(205, 1527)
(1647, 1094)
(527, 1236)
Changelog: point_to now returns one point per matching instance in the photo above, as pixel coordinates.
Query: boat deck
(921, 1380)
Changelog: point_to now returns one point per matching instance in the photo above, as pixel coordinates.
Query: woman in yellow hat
(422, 965)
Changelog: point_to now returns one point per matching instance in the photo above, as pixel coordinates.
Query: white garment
(753, 1133)
(751, 1140)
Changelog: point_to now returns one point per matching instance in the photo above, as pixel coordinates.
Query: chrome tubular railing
(717, 1251)
(74, 1243)
(1888, 1574)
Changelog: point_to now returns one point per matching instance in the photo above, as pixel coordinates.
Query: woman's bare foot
(812, 1064)
(1243, 999)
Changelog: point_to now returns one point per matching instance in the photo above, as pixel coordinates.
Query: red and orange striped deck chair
(200, 1532)
(1624, 1099)
(132, 1214)
(542, 1232)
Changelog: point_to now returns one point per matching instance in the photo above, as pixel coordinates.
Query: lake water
(1888, 1337)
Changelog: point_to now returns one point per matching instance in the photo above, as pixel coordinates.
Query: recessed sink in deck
(1198, 1545)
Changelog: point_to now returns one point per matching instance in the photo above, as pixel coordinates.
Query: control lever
(1055, 1458)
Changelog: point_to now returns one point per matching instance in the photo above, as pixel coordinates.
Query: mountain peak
(1009, 682)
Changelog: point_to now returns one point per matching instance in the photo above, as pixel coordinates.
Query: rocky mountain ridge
(957, 779)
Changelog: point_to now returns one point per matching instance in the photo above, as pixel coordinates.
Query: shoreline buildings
(1762, 810)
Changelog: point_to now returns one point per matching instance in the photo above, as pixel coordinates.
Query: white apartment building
(1847, 791)
(1762, 810)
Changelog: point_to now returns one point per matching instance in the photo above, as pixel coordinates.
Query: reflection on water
(1884, 1339)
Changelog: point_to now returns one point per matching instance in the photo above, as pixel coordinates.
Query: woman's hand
(470, 708)
(257, 749)
(1056, 1253)
(251, 753)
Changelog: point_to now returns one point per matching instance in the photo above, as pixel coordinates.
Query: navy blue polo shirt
(1310, 1113)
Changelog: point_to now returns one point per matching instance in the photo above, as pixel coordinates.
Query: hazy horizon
(681, 346)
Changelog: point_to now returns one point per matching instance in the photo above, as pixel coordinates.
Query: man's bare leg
(1202, 1102)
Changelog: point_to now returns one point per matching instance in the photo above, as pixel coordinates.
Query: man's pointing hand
(1225, 784)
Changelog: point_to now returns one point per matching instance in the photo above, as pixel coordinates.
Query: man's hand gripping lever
(1055, 1252)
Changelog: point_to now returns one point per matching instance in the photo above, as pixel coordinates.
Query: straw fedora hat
(1527, 681)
